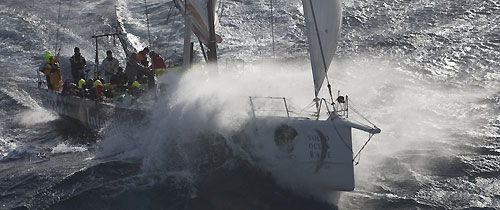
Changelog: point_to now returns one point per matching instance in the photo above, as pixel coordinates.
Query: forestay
(323, 21)
(198, 11)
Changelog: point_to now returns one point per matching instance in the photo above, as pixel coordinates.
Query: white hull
(312, 152)
(89, 113)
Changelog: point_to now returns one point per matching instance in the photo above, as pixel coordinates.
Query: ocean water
(425, 72)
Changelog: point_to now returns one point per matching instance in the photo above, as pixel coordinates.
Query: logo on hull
(284, 136)
(324, 150)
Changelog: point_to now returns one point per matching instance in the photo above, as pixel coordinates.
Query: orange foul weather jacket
(54, 72)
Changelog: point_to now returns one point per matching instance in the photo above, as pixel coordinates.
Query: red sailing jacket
(158, 62)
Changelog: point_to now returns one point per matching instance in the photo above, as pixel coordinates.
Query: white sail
(323, 17)
(198, 11)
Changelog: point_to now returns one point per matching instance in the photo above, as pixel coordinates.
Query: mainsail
(198, 11)
(323, 21)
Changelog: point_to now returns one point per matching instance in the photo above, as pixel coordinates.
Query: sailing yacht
(314, 150)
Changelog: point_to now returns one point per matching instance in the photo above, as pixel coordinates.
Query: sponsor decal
(284, 136)
(318, 148)
(324, 149)
(93, 121)
(54, 102)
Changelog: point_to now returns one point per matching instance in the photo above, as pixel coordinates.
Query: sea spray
(210, 105)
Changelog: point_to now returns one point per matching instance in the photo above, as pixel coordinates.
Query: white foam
(65, 148)
(36, 116)
(9, 148)
(21, 96)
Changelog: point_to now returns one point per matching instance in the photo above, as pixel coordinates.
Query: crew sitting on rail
(89, 83)
(81, 84)
(135, 89)
(69, 88)
(81, 90)
(118, 81)
(110, 66)
(52, 71)
(119, 78)
(97, 91)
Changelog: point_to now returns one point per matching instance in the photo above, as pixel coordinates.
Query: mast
(186, 61)
(147, 21)
(58, 26)
(96, 66)
(272, 27)
(212, 43)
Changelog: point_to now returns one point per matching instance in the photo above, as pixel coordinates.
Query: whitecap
(65, 148)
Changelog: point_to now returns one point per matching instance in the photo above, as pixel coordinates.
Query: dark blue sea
(426, 72)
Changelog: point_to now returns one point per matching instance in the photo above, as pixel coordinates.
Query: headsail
(198, 11)
(323, 21)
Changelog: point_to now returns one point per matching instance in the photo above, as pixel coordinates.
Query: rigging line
(357, 112)
(337, 130)
(362, 148)
(203, 50)
(301, 111)
(147, 22)
(272, 27)
(66, 21)
(168, 18)
(366, 119)
(57, 25)
(322, 52)
(357, 121)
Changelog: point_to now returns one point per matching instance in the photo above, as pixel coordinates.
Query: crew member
(81, 91)
(143, 60)
(132, 68)
(110, 66)
(158, 64)
(142, 56)
(135, 89)
(135, 85)
(78, 63)
(119, 78)
(52, 72)
(97, 90)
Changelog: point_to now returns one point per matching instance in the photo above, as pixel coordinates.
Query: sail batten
(323, 21)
